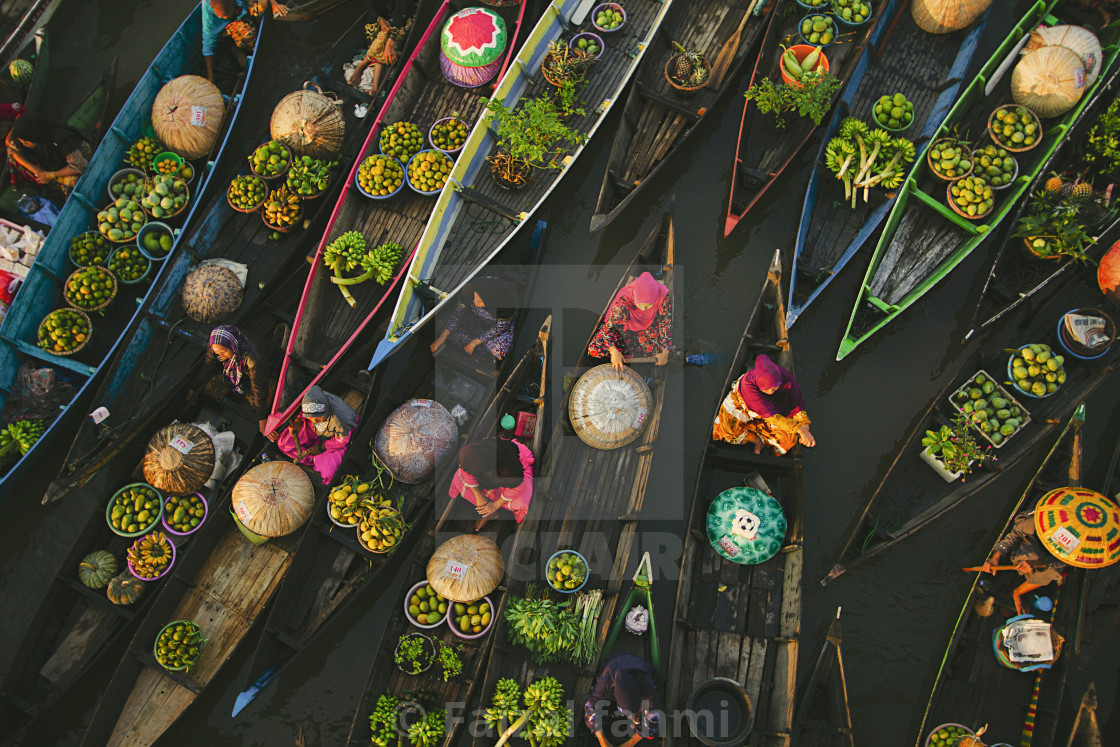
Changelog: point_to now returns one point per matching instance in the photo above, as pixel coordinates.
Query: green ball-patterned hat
(746, 526)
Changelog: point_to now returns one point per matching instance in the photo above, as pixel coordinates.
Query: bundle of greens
(349, 252)
(883, 161)
(586, 649)
(546, 721)
(547, 629)
(449, 661)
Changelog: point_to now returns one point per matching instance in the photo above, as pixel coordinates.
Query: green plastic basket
(250, 535)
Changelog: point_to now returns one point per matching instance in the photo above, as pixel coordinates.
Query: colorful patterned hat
(746, 525)
(474, 37)
(1079, 526)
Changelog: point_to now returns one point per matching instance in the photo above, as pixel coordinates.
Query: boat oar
(728, 50)
(994, 568)
(244, 697)
(695, 359)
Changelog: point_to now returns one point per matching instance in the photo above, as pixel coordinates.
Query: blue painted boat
(41, 292)
(926, 68)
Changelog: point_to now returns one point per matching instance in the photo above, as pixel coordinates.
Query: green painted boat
(924, 239)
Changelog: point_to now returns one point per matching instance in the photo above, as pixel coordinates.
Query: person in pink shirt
(493, 474)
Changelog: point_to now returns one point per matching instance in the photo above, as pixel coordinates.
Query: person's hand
(618, 361)
(279, 11)
(661, 358)
(272, 436)
(471, 346)
(489, 508)
(806, 437)
(602, 740)
(44, 177)
(390, 52)
(1024, 568)
(988, 567)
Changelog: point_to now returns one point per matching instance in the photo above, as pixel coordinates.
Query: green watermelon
(21, 71)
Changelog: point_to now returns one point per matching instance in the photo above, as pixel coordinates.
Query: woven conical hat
(466, 568)
(415, 438)
(609, 408)
(1079, 526)
(179, 459)
(273, 499)
(211, 293)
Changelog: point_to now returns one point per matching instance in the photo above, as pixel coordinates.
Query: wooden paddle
(727, 51)
(994, 568)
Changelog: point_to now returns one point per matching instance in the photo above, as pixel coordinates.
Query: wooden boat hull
(928, 69)
(972, 687)
(924, 240)
(21, 20)
(823, 717)
(742, 622)
(448, 253)
(763, 151)
(41, 290)
(657, 121)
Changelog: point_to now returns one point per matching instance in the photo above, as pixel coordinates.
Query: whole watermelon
(21, 71)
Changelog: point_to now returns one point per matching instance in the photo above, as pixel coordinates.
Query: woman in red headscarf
(638, 323)
(765, 407)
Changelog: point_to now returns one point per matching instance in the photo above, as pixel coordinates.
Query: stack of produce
(186, 173)
(179, 645)
(282, 209)
(797, 69)
(97, 569)
(63, 331)
(247, 192)
(426, 607)
(135, 508)
(183, 513)
(309, 176)
(151, 555)
(428, 170)
(130, 185)
(347, 503)
(89, 248)
(381, 526)
(609, 16)
(270, 159)
(383, 721)
(471, 618)
(450, 134)
(971, 197)
(349, 252)
(548, 630)
(948, 735)
(122, 220)
(990, 409)
(1035, 370)
(854, 12)
(818, 29)
(950, 158)
(862, 157)
(157, 242)
(1014, 127)
(167, 164)
(995, 164)
(141, 153)
(380, 175)
(545, 719)
(90, 288)
(16, 439)
(166, 196)
(895, 112)
(566, 571)
(401, 140)
(129, 264)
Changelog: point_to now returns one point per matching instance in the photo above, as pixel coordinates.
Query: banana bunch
(381, 527)
(428, 731)
(150, 555)
(544, 695)
(348, 252)
(18, 438)
(550, 728)
(282, 208)
(382, 261)
(345, 253)
(505, 705)
(383, 721)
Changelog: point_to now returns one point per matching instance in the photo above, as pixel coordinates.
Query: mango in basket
(62, 330)
(426, 607)
(380, 175)
(90, 287)
(122, 220)
(270, 159)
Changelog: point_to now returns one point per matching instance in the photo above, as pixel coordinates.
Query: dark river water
(898, 609)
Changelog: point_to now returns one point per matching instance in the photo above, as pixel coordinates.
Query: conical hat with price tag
(1079, 526)
(466, 568)
(180, 459)
(273, 499)
(609, 408)
(746, 525)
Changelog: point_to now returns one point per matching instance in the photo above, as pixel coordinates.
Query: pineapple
(1082, 191)
(1067, 190)
(689, 69)
(1054, 183)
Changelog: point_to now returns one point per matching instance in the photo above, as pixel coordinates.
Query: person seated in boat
(764, 407)
(233, 367)
(384, 39)
(477, 322)
(1033, 562)
(319, 433)
(495, 473)
(233, 20)
(638, 323)
(44, 151)
(626, 689)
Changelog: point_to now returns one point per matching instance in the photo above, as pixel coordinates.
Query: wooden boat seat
(667, 102)
(470, 194)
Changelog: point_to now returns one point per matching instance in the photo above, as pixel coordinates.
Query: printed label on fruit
(182, 445)
(1066, 539)
(728, 545)
(455, 569)
(198, 116)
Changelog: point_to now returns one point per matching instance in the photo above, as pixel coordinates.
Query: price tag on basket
(455, 569)
(182, 445)
(198, 116)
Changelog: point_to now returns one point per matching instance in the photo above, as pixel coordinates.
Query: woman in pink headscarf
(765, 407)
(638, 324)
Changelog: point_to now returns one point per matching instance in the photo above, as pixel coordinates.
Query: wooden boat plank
(155, 702)
(93, 625)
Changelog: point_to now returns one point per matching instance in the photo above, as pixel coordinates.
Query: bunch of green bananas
(505, 704)
(550, 728)
(428, 731)
(382, 261)
(383, 721)
(348, 252)
(18, 438)
(345, 253)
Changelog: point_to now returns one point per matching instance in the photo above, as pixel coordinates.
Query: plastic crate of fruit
(995, 414)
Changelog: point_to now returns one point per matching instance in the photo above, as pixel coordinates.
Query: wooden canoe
(325, 325)
(763, 150)
(384, 676)
(331, 568)
(972, 687)
(926, 68)
(1016, 280)
(742, 622)
(41, 291)
(646, 646)
(20, 20)
(823, 717)
(584, 499)
(923, 239)
(910, 496)
(656, 120)
(1086, 731)
(474, 217)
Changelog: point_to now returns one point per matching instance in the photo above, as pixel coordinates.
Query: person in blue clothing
(232, 19)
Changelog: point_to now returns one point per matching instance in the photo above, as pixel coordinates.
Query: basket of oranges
(380, 177)
(90, 288)
(428, 170)
(65, 331)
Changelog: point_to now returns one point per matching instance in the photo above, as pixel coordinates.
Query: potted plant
(415, 653)
(687, 70)
(528, 138)
(563, 64)
(1102, 144)
(811, 97)
(449, 661)
(1056, 222)
(952, 451)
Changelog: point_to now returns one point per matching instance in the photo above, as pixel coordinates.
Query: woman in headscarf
(638, 323)
(43, 151)
(319, 433)
(624, 688)
(233, 366)
(1032, 561)
(766, 408)
(384, 38)
(233, 20)
(477, 322)
(495, 473)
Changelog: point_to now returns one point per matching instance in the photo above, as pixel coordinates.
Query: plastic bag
(38, 395)
(38, 209)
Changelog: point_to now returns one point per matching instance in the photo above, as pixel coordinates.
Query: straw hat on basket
(180, 458)
(273, 499)
(211, 293)
(608, 408)
(310, 123)
(466, 568)
(187, 115)
(415, 438)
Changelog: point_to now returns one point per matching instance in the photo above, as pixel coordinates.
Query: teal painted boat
(924, 240)
(41, 291)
